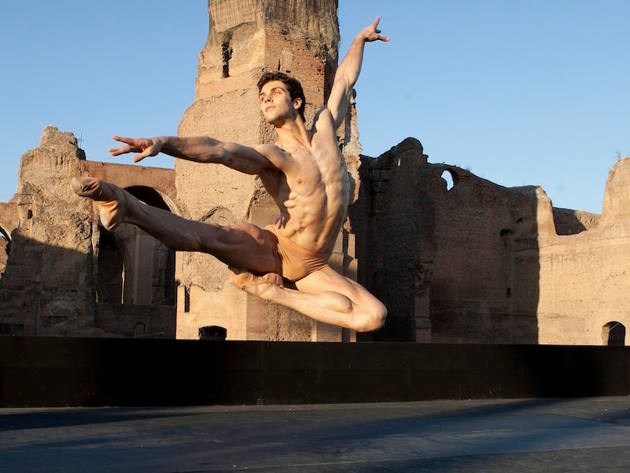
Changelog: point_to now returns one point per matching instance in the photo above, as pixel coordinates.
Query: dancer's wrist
(160, 140)
(160, 143)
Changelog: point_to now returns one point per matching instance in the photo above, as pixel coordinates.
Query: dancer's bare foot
(111, 199)
(265, 286)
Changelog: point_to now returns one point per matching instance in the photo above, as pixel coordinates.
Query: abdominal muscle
(312, 220)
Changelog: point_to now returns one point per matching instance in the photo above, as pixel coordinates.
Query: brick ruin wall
(482, 263)
(541, 274)
(62, 267)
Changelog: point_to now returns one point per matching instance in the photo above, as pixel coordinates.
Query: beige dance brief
(297, 262)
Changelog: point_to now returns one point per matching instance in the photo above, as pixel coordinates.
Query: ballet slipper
(111, 199)
(264, 286)
(242, 278)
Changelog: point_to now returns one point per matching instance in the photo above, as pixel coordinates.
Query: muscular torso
(313, 191)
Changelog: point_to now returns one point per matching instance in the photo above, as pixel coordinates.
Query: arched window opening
(139, 330)
(5, 241)
(614, 334)
(212, 332)
(5, 248)
(449, 178)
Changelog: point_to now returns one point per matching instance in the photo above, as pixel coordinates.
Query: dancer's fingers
(124, 139)
(119, 151)
(141, 156)
(148, 151)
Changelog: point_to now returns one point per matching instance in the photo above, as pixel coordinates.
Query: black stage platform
(49, 372)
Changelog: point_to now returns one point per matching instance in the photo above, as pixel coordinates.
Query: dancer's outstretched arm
(203, 149)
(348, 71)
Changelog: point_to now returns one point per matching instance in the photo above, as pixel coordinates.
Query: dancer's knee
(369, 318)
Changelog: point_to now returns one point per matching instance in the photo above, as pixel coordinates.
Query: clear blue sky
(519, 92)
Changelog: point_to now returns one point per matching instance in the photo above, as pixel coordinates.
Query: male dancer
(305, 174)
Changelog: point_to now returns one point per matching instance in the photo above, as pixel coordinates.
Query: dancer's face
(275, 102)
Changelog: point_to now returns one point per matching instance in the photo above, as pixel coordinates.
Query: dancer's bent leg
(329, 297)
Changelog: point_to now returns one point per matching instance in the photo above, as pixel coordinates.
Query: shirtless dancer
(305, 174)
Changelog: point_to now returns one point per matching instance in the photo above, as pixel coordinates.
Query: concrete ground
(550, 435)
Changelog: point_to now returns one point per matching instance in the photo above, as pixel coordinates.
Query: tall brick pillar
(246, 37)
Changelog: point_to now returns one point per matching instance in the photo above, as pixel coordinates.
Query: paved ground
(557, 435)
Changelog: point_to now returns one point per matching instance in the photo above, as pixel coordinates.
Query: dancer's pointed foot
(111, 199)
(265, 286)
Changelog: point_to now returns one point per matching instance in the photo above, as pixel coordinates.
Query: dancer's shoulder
(278, 156)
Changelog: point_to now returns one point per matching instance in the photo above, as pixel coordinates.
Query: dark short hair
(293, 85)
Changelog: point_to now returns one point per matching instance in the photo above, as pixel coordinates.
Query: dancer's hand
(143, 146)
(372, 33)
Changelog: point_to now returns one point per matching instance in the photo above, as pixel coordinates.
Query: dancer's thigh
(247, 246)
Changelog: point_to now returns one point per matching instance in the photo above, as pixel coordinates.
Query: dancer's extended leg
(242, 246)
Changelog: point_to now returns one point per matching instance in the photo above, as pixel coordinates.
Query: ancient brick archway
(156, 186)
(614, 334)
(133, 267)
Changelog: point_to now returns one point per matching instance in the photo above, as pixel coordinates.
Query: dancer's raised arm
(348, 71)
(203, 149)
